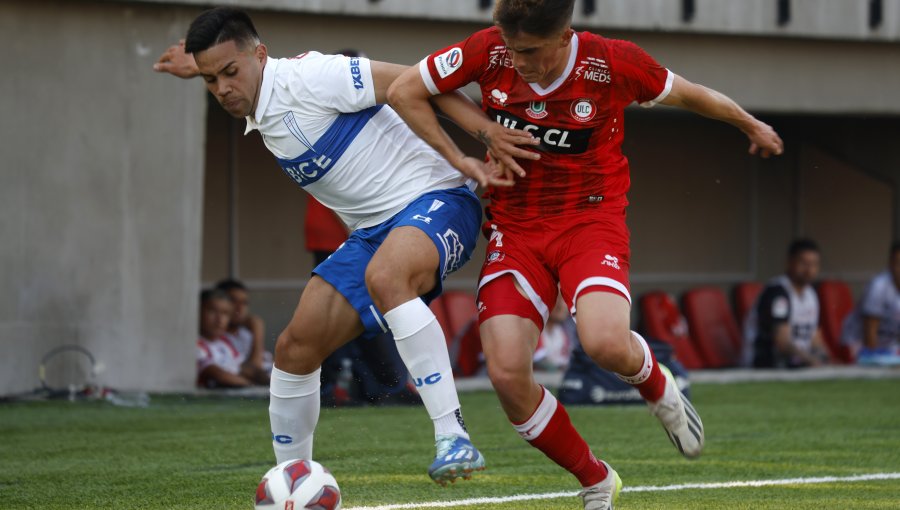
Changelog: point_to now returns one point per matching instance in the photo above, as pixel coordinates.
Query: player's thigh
(407, 258)
(603, 321)
(323, 321)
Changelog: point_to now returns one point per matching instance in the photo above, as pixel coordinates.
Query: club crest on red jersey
(583, 110)
(537, 110)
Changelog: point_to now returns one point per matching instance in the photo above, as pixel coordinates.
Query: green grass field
(210, 453)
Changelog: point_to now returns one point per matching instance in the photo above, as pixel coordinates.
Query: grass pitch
(184, 453)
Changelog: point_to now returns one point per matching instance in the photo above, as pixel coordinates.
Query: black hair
(801, 245)
(350, 52)
(211, 294)
(895, 248)
(219, 25)
(536, 17)
(230, 284)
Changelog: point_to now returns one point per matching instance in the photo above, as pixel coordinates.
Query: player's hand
(764, 140)
(483, 174)
(504, 145)
(176, 62)
(501, 173)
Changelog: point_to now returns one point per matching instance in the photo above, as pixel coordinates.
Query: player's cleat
(456, 458)
(603, 495)
(679, 418)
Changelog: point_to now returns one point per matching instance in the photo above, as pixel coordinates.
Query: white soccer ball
(298, 485)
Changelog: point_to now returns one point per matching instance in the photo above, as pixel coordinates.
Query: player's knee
(296, 355)
(390, 287)
(508, 381)
(609, 347)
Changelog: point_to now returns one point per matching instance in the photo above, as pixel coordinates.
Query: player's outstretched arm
(410, 99)
(710, 103)
(176, 62)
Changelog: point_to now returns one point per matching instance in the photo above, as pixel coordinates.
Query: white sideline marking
(646, 488)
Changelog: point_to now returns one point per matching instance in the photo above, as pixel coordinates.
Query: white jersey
(881, 300)
(317, 115)
(219, 352)
(779, 303)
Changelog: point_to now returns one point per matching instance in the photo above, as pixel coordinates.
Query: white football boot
(603, 495)
(679, 418)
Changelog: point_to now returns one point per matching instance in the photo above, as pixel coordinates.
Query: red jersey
(578, 118)
(324, 231)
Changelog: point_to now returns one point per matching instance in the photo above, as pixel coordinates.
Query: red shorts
(559, 255)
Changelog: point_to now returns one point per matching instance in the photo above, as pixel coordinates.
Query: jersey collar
(265, 94)
(573, 56)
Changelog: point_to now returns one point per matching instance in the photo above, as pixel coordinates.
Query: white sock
(537, 422)
(421, 344)
(293, 413)
(646, 367)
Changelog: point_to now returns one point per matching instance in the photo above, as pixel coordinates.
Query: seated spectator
(219, 364)
(557, 340)
(782, 328)
(872, 331)
(247, 331)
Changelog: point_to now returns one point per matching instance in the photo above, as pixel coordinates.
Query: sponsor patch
(448, 62)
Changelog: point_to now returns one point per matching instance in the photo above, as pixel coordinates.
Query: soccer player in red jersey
(563, 223)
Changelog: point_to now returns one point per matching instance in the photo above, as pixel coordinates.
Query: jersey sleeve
(334, 82)
(204, 356)
(640, 77)
(774, 306)
(871, 302)
(455, 66)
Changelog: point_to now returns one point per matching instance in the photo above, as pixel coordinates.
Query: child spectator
(873, 329)
(247, 331)
(219, 363)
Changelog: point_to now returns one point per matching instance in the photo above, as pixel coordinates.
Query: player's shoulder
(486, 37)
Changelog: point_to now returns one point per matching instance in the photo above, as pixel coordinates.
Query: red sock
(550, 430)
(649, 381)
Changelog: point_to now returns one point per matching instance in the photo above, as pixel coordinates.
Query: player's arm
(820, 352)
(176, 62)
(870, 331)
(258, 328)
(223, 377)
(409, 97)
(713, 104)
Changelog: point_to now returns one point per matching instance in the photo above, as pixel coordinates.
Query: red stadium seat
(713, 330)
(835, 303)
(661, 319)
(745, 294)
(440, 311)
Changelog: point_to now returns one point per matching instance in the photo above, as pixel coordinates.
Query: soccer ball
(298, 485)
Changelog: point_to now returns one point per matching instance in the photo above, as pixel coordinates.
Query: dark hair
(895, 248)
(219, 25)
(211, 294)
(229, 284)
(799, 246)
(350, 52)
(535, 17)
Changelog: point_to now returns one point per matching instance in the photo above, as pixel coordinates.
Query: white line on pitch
(646, 488)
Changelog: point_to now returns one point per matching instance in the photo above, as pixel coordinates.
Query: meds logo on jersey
(583, 110)
(448, 62)
(537, 110)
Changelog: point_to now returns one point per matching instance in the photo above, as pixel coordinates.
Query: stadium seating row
(705, 331)
(709, 334)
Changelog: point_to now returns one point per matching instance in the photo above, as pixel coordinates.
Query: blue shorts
(450, 217)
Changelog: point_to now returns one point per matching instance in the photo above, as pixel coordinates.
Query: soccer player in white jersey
(414, 218)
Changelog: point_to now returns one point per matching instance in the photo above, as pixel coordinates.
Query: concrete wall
(100, 193)
(828, 19)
